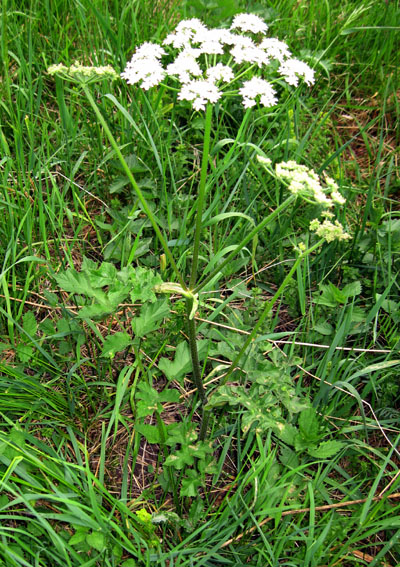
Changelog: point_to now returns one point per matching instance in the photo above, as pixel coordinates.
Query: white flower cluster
(197, 45)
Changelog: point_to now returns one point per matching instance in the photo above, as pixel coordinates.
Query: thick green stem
(191, 327)
(269, 306)
(140, 196)
(243, 243)
(201, 197)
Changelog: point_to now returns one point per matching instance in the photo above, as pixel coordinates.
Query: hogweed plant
(204, 67)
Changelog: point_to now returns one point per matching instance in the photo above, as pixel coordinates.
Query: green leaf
(24, 352)
(288, 434)
(29, 323)
(324, 328)
(79, 536)
(142, 283)
(150, 432)
(115, 343)
(150, 400)
(180, 459)
(96, 540)
(308, 425)
(150, 317)
(180, 434)
(352, 289)
(326, 449)
(182, 363)
(191, 484)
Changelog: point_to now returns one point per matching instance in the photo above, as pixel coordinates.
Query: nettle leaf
(115, 343)
(182, 363)
(308, 425)
(151, 315)
(29, 323)
(326, 449)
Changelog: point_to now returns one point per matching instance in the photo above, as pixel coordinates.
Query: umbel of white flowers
(207, 62)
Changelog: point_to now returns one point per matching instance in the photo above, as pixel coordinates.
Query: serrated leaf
(308, 425)
(150, 400)
(143, 282)
(180, 459)
(96, 310)
(75, 282)
(29, 323)
(288, 434)
(150, 317)
(352, 289)
(115, 343)
(289, 458)
(330, 296)
(96, 540)
(326, 449)
(24, 352)
(180, 434)
(324, 328)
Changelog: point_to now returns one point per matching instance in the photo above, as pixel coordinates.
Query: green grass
(77, 474)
